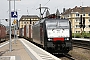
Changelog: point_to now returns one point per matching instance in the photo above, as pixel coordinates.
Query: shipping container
(25, 31)
(21, 32)
(28, 31)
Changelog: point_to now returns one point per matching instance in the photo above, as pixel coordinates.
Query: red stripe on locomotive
(58, 39)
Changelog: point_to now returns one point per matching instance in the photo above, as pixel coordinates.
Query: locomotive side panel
(36, 33)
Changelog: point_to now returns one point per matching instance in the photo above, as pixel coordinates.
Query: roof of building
(77, 9)
(29, 16)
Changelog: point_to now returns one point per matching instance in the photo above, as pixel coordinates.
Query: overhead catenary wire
(34, 5)
(47, 2)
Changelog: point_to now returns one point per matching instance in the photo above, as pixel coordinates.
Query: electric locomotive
(53, 35)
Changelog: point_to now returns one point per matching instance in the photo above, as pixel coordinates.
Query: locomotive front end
(59, 35)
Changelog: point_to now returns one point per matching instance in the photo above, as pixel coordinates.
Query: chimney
(75, 6)
(80, 6)
(57, 13)
(63, 10)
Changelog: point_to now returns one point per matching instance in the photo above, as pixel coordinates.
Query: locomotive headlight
(66, 38)
(49, 39)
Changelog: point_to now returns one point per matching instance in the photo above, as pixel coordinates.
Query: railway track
(82, 44)
(69, 56)
(65, 56)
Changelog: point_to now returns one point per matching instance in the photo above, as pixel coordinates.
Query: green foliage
(86, 35)
(76, 35)
(79, 35)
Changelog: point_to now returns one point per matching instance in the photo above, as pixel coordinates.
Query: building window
(89, 14)
(77, 31)
(37, 19)
(33, 23)
(83, 14)
(89, 26)
(89, 31)
(77, 20)
(77, 26)
(89, 20)
(68, 15)
(24, 22)
(22, 26)
(23, 19)
(28, 19)
(32, 19)
(77, 14)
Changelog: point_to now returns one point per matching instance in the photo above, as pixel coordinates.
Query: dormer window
(77, 14)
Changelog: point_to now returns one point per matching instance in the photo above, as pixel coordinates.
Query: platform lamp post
(10, 44)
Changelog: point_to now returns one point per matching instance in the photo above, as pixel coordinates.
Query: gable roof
(29, 16)
(77, 9)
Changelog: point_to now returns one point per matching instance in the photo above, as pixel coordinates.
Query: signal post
(82, 24)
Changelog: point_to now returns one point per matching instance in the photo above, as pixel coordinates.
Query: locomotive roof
(41, 21)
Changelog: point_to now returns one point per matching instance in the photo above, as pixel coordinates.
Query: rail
(81, 43)
(81, 39)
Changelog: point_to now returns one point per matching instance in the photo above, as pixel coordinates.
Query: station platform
(18, 52)
(24, 50)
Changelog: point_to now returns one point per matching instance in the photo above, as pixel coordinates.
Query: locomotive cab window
(57, 24)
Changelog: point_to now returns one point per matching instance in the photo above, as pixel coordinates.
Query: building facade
(74, 16)
(27, 19)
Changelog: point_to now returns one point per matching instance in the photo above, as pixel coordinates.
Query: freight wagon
(2, 32)
(26, 32)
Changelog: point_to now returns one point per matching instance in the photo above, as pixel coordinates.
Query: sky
(30, 7)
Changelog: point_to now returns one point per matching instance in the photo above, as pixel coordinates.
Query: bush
(78, 35)
(86, 35)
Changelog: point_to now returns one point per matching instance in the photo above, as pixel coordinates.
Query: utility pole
(41, 14)
(40, 11)
(14, 26)
(10, 44)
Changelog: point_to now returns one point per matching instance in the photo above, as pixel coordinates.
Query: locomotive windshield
(57, 28)
(57, 24)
